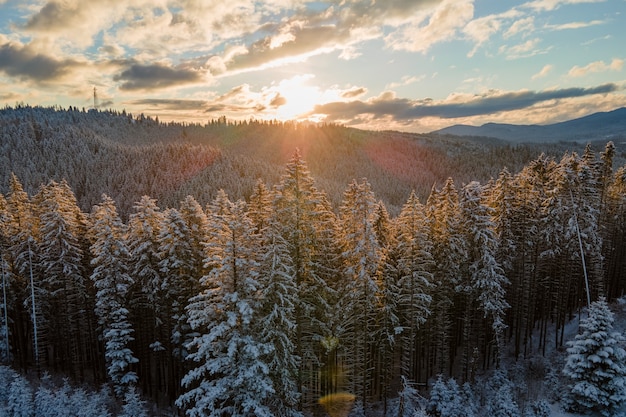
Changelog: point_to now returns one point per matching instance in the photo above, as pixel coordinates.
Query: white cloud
(547, 69)
(523, 50)
(406, 80)
(576, 25)
(525, 25)
(443, 24)
(549, 5)
(597, 66)
(482, 29)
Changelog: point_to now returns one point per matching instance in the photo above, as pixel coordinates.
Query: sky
(409, 65)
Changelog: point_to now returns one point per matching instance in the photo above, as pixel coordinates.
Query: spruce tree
(112, 281)
(230, 377)
(596, 364)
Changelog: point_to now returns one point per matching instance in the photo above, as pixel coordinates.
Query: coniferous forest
(266, 294)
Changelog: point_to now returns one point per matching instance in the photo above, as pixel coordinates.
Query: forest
(282, 298)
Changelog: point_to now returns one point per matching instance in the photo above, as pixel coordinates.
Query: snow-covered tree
(61, 257)
(302, 217)
(20, 402)
(112, 281)
(502, 404)
(276, 324)
(449, 254)
(448, 400)
(409, 400)
(361, 254)
(179, 281)
(133, 406)
(52, 401)
(230, 377)
(487, 280)
(596, 364)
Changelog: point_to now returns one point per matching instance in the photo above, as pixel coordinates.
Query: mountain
(603, 126)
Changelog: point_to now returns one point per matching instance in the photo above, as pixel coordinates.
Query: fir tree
(20, 402)
(277, 326)
(112, 281)
(230, 377)
(596, 364)
(362, 258)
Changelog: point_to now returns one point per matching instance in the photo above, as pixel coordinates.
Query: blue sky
(412, 65)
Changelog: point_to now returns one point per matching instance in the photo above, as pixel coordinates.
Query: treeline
(267, 305)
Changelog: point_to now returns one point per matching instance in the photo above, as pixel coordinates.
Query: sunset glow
(407, 65)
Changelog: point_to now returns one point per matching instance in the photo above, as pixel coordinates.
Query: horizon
(414, 66)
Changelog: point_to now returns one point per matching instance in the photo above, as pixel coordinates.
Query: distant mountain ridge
(597, 126)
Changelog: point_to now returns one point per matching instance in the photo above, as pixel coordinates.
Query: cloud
(22, 62)
(155, 76)
(482, 29)
(406, 80)
(341, 27)
(278, 101)
(456, 107)
(170, 104)
(547, 69)
(524, 26)
(523, 50)
(597, 66)
(576, 25)
(76, 20)
(549, 5)
(354, 92)
(443, 24)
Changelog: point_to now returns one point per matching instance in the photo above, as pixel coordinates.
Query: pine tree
(51, 401)
(362, 260)
(448, 400)
(133, 405)
(503, 404)
(302, 217)
(20, 402)
(23, 230)
(112, 282)
(449, 254)
(148, 308)
(415, 265)
(62, 226)
(230, 377)
(276, 324)
(487, 280)
(596, 364)
(5, 281)
(388, 322)
(408, 400)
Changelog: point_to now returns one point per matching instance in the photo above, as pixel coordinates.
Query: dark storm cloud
(19, 61)
(405, 109)
(155, 76)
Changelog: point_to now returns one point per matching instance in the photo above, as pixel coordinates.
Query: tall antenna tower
(95, 99)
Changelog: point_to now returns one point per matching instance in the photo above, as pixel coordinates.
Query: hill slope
(126, 157)
(598, 126)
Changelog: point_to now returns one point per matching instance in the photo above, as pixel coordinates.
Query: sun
(299, 97)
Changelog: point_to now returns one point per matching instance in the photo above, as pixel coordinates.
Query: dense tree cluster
(262, 307)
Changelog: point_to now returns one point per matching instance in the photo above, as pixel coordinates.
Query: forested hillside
(127, 156)
(283, 302)
(275, 269)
